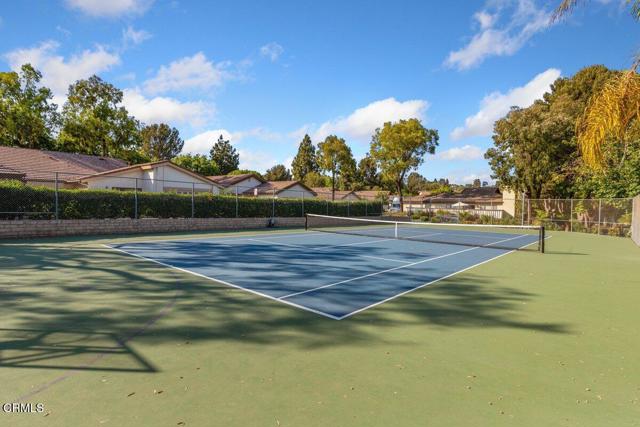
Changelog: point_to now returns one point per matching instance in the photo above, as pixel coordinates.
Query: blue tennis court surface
(334, 275)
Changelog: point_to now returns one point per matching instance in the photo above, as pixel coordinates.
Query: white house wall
(159, 179)
(297, 191)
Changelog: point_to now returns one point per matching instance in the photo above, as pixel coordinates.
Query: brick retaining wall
(77, 227)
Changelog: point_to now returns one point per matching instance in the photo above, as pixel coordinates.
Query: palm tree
(612, 112)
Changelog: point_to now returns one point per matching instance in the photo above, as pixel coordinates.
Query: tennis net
(511, 237)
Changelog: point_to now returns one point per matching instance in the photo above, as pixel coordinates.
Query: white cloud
(486, 20)
(165, 109)
(467, 152)
(57, 72)
(466, 177)
(256, 160)
(363, 122)
(201, 143)
(191, 72)
(496, 105)
(272, 51)
(132, 36)
(524, 22)
(110, 8)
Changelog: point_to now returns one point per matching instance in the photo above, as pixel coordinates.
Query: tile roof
(151, 165)
(270, 187)
(42, 164)
(370, 194)
(325, 193)
(229, 180)
(469, 195)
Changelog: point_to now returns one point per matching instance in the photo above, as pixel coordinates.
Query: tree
(535, 148)
(334, 156)
(225, 156)
(95, 122)
(477, 183)
(315, 180)
(531, 149)
(416, 183)
(245, 171)
(160, 142)
(28, 119)
(400, 147)
(278, 173)
(368, 172)
(613, 110)
(197, 163)
(305, 160)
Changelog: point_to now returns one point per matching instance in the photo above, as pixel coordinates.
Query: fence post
(273, 203)
(327, 207)
(366, 211)
(599, 214)
(236, 201)
(522, 209)
(348, 207)
(57, 216)
(193, 202)
(571, 216)
(135, 199)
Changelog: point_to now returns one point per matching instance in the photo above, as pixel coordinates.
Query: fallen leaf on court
(131, 394)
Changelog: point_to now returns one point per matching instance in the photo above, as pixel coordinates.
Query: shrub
(18, 200)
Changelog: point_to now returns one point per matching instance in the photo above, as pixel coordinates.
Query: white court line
(384, 259)
(321, 249)
(226, 238)
(274, 243)
(213, 279)
(355, 243)
(396, 268)
(433, 281)
(321, 313)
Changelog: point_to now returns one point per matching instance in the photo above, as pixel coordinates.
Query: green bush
(18, 200)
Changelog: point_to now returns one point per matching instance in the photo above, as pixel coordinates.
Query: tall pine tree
(225, 156)
(305, 161)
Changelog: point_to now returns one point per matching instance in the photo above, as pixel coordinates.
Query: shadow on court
(81, 308)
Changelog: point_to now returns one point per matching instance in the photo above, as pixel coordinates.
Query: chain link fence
(610, 217)
(635, 221)
(56, 195)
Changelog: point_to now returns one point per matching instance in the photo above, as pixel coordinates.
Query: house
(326, 193)
(72, 170)
(284, 189)
(238, 183)
(490, 201)
(372, 194)
(162, 176)
(42, 167)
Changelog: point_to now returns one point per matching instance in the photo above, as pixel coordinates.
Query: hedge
(18, 200)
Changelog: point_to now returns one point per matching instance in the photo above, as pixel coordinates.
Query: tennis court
(339, 266)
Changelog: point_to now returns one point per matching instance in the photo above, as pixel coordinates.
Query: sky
(265, 73)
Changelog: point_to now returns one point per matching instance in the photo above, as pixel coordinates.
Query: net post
(306, 222)
(542, 236)
(396, 230)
